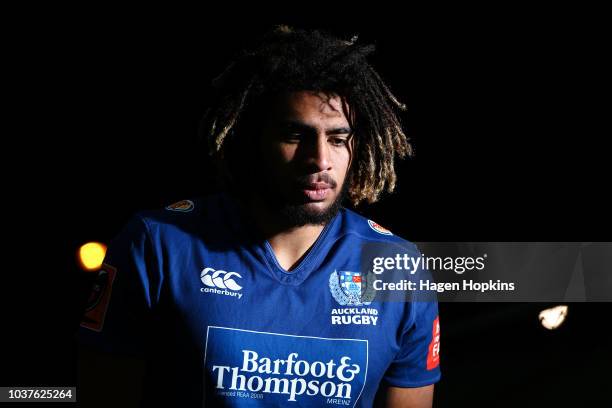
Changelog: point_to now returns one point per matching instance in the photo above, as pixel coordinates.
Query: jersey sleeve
(118, 313)
(417, 362)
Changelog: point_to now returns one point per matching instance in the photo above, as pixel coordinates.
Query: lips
(321, 185)
(316, 194)
(316, 191)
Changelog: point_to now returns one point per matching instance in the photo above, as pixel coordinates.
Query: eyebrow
(296, 125)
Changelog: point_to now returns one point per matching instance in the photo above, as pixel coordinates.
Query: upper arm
(419, 397)
(415, 368)
(114, 334)
(417, 362)
(118, 315)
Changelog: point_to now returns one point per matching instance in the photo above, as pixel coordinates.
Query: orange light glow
(91, 255)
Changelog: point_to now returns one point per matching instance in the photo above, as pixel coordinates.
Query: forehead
(310, 106)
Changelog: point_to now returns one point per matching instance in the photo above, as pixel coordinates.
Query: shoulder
(366, 230)
(185, 210)
(187, 214)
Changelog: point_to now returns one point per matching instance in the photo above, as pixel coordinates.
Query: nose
(318, 154)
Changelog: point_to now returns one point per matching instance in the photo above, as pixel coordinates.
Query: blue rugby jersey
(221, 323)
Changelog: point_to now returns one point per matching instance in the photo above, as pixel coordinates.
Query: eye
(339, 141)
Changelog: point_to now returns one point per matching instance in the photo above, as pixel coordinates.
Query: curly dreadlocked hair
(291, 60)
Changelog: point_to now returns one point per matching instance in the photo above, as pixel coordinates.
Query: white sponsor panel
(276, 368)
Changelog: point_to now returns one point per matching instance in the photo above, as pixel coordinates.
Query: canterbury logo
(220, 279)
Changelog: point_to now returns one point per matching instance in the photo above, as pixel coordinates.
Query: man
(253, 296)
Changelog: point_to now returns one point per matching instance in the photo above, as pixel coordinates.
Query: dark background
(501, 110)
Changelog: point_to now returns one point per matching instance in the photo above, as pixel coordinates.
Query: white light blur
(554, 317)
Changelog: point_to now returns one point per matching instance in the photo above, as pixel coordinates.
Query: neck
(289, 243)
(291, 246)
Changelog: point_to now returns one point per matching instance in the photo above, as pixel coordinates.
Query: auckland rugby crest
(350, 288)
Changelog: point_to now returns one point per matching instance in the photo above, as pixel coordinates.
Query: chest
(274, 342)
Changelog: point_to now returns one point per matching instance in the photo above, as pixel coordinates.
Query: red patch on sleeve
(97, 304)
(433, 355)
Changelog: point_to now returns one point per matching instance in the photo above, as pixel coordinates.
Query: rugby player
(252, 296)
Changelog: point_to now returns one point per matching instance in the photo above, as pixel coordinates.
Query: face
(306, 149)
